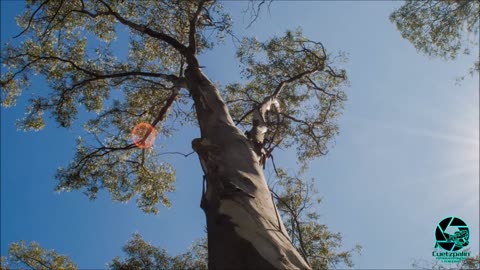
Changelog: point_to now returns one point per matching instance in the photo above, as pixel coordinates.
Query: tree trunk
(243, 225)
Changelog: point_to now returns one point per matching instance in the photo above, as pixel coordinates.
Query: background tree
(291, 98)
(35, 257)
(139, 255)
(296, 201)
(472, 262)
(440, 28)
(142, 255)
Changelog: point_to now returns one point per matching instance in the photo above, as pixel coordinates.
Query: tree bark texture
(244, 228)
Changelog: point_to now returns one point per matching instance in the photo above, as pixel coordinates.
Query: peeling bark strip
(242, 221)
(260, 127)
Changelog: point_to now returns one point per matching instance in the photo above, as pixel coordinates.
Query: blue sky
(407, 155)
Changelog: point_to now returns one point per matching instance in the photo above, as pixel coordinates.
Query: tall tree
(440, 28)
(291, 97)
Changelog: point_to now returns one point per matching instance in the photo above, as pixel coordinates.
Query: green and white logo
(451, 236)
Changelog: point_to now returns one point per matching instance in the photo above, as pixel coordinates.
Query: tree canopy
(440, 28)
(69, 43)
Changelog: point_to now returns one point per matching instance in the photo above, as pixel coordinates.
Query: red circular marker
(143, 135)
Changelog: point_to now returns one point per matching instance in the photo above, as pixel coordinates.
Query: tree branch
(178, 82)
(27, 257)
(164, 109)
(294, 216)
(177, 153)
(192, 42)
(104, 150)
(259, 125)
(47, 28)
(144, 29)
(31, 18)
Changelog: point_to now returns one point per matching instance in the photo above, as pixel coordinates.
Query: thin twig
(176, 153)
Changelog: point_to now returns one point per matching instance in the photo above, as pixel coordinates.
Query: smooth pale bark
(244, 228)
